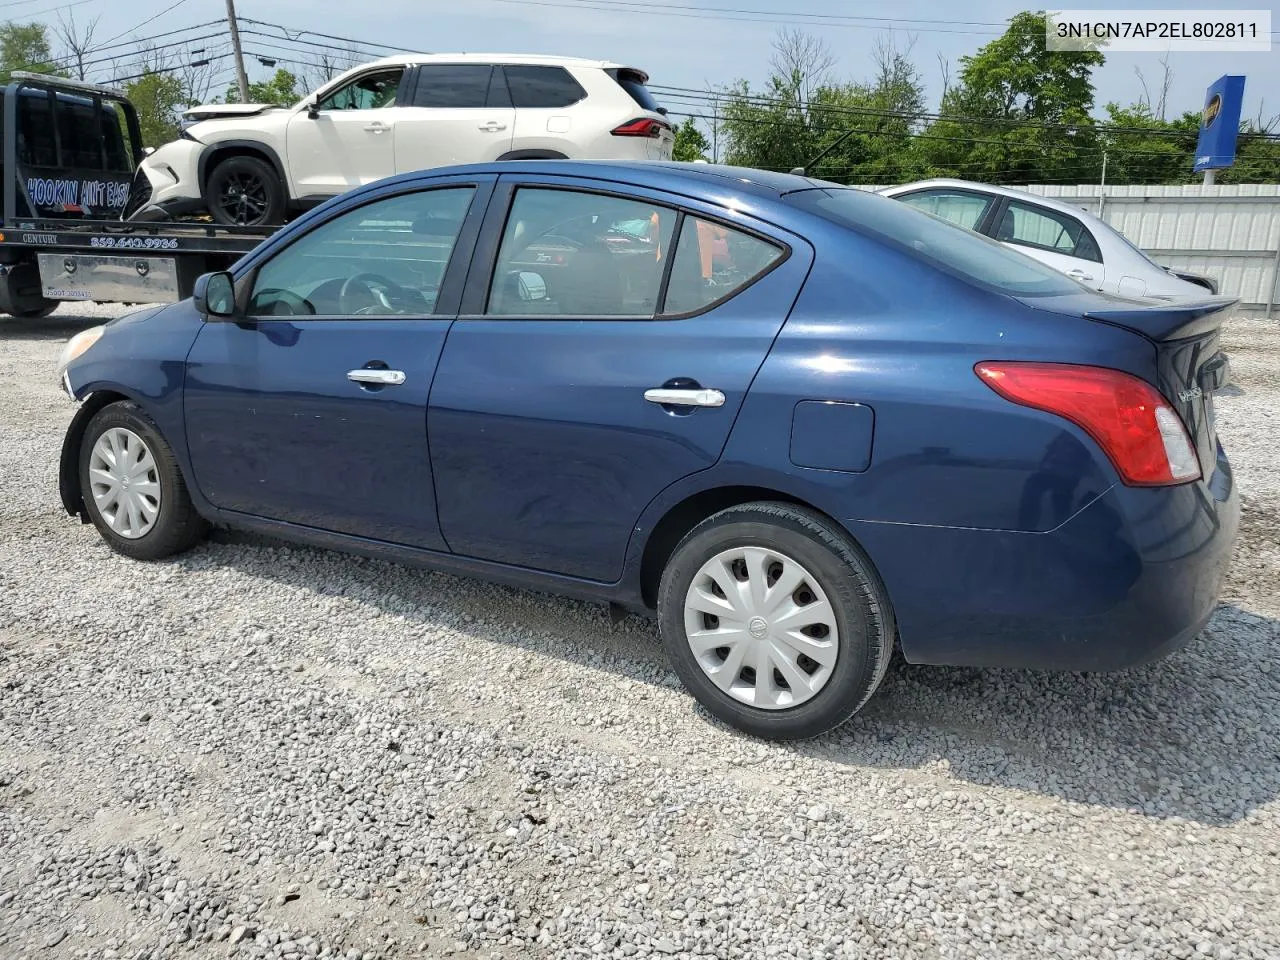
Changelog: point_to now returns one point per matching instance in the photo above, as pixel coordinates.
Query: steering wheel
(369, 282)
(297, 306)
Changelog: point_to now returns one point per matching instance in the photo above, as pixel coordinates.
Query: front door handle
(700, 397)
(377, 127)
(382, 378)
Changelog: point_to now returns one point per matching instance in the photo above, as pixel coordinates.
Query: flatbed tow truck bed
(69, 153)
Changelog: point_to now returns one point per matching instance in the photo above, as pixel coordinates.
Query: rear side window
(1046, 229)
(633, 82)
(935, 241)
(712, 263)
(536, 86)
(36, 145)
(451, 85)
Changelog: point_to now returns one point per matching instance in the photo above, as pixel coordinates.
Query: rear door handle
(493, 126)
(377, 127)
(701, 397)
(380, 377)
(1079, 274)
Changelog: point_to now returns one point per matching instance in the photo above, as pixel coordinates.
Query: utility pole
(242, 79)
(1102, 187)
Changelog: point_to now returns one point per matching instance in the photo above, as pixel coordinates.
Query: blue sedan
(800, 424)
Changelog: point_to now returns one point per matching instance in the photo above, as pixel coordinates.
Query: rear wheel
(36, 313)
(132, 486)
(775, 620)
(246, 192)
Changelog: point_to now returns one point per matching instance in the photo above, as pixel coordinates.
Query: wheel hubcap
(761, 628)
(124, 483)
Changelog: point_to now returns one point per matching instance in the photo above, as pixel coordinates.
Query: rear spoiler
(1170, 321)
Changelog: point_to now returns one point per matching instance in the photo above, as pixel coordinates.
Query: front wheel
(245, 192)
(775, 620)
(132, 486)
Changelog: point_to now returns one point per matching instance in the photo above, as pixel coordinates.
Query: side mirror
(148, 151)
(215, 295)
(530, 287)
(313, 110)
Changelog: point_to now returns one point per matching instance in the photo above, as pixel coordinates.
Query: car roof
(996, 190)
(763, 183)
(513, 59)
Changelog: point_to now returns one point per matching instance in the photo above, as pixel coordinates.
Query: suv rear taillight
(1133, 423)
(641, 127)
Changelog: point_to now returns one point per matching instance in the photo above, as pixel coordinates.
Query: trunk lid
(1190, 364)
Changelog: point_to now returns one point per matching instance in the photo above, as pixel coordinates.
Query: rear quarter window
(537, 86)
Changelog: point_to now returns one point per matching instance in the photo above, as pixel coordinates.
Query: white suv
(251, 165)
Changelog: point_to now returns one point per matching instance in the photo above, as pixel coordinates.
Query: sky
(692, 43)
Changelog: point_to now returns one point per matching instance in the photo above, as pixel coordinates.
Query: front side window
(961, 208)
(386, 258)
(568, 253)
(1046, 230)
(713, 262)
(536, 86)
(453, 85)
(372, 91)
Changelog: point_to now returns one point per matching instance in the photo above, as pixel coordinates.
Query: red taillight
(1135, 426)
(643, 127)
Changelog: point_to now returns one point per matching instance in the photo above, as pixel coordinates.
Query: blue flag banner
(1219, 124)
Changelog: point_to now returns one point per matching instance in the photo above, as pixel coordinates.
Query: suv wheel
(245, 192)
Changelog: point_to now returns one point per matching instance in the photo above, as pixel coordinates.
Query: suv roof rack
(78, 85)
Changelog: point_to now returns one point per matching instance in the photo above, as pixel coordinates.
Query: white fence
(1230, 232)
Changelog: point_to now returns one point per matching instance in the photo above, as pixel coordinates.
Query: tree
(77, 42)
(1038, 103)
(862, 131)
(282, 90)
(159, 99)
(691, 144)
(25, 46)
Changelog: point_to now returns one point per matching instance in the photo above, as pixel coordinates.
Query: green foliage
(841, 125)
(690, 143)
(159, 99)
(25, 47)
(282, 90)
(1012, 80)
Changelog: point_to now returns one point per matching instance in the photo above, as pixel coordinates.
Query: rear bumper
(1129, 579)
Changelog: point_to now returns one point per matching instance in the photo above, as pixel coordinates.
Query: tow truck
(70, 152)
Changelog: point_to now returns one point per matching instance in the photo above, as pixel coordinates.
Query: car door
(1054, 238)
(457, 113)
(349, 138)
(596, 363)
(311, 408)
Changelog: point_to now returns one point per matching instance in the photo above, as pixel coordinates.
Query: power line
(778, 17)
(168, 9)
(731, 98)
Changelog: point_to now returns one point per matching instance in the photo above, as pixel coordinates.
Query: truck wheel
(43, 310)
(245, 192)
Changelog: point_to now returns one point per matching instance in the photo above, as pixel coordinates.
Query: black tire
(252, 178)
(858, 601)
(177, 526)
(43, 310)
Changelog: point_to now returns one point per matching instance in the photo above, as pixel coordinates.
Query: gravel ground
(263, 751)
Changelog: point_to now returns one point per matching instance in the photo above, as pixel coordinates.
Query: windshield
(936, 241)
